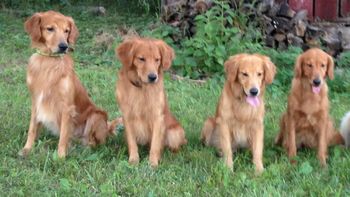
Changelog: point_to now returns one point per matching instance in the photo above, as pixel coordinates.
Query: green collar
(49, 54)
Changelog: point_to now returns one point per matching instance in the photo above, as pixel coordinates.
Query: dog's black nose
(254, 91)
(152, 77)
(63, 47)
(316, 82)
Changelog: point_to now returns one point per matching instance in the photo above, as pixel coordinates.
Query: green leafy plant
(220, 32)
(344, 59)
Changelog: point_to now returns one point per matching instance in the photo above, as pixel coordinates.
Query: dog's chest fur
(141, 106)
(48, 86)
(242, 119)
(311, 108)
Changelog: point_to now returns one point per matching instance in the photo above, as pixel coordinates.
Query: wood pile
(281, 26)
(181, 14)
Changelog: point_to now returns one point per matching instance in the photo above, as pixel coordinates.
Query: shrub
(220, 32)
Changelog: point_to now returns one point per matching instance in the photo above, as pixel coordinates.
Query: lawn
(104, 171)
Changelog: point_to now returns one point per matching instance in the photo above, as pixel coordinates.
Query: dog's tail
(345, 129)
(175, 138)
(207, 131)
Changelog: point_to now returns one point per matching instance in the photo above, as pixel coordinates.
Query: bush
(220, 32)
(344, 59)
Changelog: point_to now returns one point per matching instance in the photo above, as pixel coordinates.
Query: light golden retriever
(59, 101)
(240, 113)
(142, 99)
(307, 122)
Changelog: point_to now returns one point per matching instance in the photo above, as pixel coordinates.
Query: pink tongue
(253, 101)
(316, 90)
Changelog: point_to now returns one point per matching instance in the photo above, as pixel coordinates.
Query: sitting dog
(307, 122)
(59, 101)
(239, 116)
(142, 99)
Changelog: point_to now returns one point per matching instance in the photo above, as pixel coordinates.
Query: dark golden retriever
(239, 116)
(59, 101)
(142, 99)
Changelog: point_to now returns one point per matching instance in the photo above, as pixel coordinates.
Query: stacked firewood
(281, 26)
(285, 27)
(181, 14)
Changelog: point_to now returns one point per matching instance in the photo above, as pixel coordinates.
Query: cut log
(300, 28)
(280, 37)
(295, 40)
(286, 11)
(270, 41)
(345, 31)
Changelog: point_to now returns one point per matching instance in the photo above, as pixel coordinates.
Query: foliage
(344, 59)
(220, 32)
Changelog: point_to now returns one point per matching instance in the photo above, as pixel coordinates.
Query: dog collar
(50, 54)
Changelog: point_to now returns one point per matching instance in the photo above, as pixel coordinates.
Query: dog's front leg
(66, 128)
(291, 144)
(257, 148)
(225, 143)
(132, 145)
(322, 142)
(157, 141)
(32, 133)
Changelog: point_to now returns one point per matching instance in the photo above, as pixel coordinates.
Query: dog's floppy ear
(125, 53)
(32, 27)
(74, 32)
(167, 53)
(231, 67)
(269, 69)
(330, 67)
(298, 67)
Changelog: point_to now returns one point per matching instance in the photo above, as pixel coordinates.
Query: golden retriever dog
(59, 101)
(142, 99)
(307, 122)
(238, 122)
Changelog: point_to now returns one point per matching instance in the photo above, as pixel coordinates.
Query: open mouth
(254, 101)
(316, 85)
(252, 97)
(316, 89)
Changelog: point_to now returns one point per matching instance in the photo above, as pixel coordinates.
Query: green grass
(104, 171)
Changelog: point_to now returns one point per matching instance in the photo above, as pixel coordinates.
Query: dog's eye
(50, 29)
(142, 59)
(323, 65)
(259, 74)
(157, 59)
(309, 65)
(66, 31)
(245, 74)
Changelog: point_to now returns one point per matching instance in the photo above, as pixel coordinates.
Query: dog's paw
(153, 161)
(134, 160)
(323, 164)
(259, 170)
(24, 152)
(61, 154)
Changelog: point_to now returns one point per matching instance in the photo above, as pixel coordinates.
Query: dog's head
(51, 31)
(251, 72)
(97, 128)
(314, 65)
(145, 58)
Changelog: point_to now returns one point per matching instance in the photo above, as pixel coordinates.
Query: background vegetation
(195, 170)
